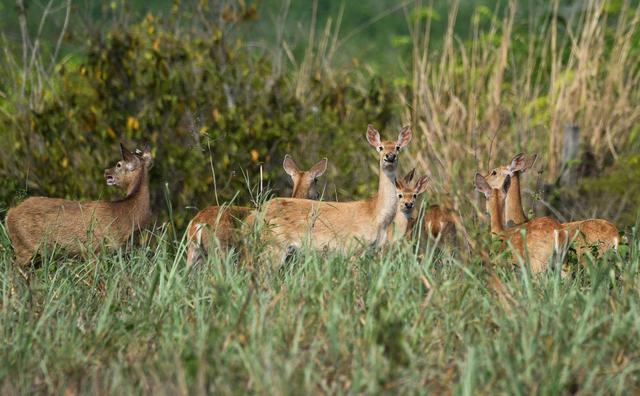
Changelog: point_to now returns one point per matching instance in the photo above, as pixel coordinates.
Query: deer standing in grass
(337, 225)
(224, 222)
(587, 233)
(403, 222)
(78, 226)
(543, 235)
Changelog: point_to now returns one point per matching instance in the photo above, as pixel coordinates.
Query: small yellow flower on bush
(133, 123)
(255, 156)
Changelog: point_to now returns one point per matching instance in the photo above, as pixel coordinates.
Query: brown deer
(543, 235)
(337, 225)
(402, 226)
(224, 222)
(587, 233)
(78, 226)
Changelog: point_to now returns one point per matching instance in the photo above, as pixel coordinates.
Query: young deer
(543, 235)
(592, 232)
(338, 225)
(76, 226)
(224, 222)
(403, 222)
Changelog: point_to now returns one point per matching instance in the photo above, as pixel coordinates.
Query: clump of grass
(141, 321)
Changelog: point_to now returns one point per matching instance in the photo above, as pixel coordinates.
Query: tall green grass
(140, 321)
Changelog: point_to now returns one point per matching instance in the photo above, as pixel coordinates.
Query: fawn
(403, 222)
(337, 225)
(543, 235)
(225, 221)
(592, 232)
(76, 226)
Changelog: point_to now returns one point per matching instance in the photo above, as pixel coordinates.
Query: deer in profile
(586, 233)
(404, 220)
(78, 226)
(542, 236)
(224, 222)
(337, 225)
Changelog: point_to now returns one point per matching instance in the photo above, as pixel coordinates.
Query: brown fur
(78, 226)
(338, 225)
(226, 221)
(543, 235)
(589, 233)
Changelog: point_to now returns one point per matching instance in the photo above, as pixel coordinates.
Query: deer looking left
(80, 226)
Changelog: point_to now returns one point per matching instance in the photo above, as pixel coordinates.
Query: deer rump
(326, 225)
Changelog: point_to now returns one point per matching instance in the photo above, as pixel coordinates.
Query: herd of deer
(291, 223)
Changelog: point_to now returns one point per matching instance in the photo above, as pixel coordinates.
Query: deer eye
(493, 172)
(399, 195)
(415, 195)
(397, 148)
(380, 148)
(118, 165)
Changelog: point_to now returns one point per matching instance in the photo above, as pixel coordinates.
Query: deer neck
(495, 211)
(386, 202)
(136, 204)
(402, 222)
(514, 214)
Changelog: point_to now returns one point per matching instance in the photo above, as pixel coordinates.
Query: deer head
(388, 151)
(520, 163)
(407, 194)
(127, 171)
(304, 182)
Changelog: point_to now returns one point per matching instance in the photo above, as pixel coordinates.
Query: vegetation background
(222, 90)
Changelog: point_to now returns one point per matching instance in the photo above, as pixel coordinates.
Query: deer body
(542, 237)
(225, 222)
(339, 225)
(77, 226)
(589, 233)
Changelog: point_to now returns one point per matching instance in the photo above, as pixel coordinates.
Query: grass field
(140, 321)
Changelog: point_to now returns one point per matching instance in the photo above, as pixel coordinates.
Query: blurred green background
(234, 85)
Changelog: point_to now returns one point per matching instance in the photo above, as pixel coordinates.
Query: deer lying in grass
(78, 226)
(598, 233)
(543, 235)
(337, 225)
(224, 222)
(402, 226)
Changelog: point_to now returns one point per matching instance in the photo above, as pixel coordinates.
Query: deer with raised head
(338, 225)
(78, 226)
(586, 233)
(403, 222)
(543, 235)
(224, 222)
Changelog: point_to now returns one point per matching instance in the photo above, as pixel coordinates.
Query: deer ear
(404, 137)
(399, 184)
(373, 136)
(506, 184)
(531, 160)
(483, 186)
(517, 163)
(147, 158)
(290, 166)
(421, 185)
(127, 155)
(409, 176)
(318, 169)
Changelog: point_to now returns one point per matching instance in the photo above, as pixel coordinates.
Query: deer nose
(390, 157)
(408, 205)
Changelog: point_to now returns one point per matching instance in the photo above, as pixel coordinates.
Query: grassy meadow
(221, 91)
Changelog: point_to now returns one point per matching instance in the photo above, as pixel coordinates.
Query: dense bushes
(200, 98)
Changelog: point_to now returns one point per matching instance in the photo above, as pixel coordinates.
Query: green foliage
(197, 97)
